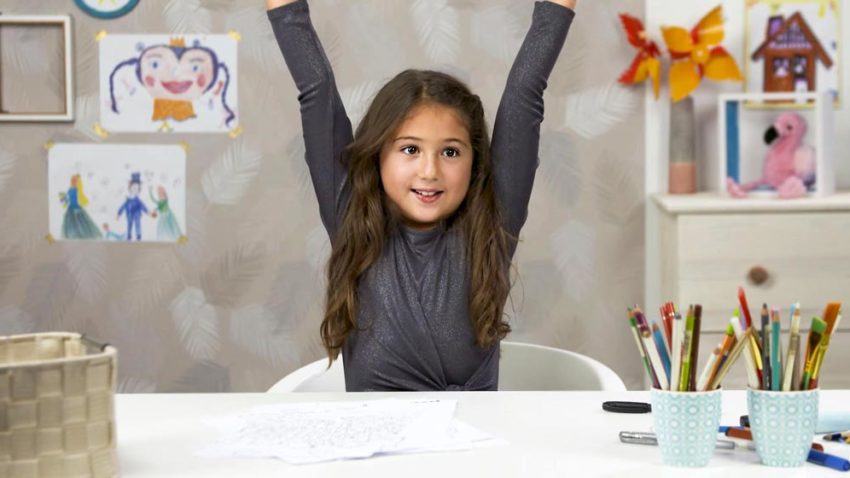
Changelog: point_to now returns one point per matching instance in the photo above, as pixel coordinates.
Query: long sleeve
(326, 127)
(516, 130)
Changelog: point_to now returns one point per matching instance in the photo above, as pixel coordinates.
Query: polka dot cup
(783, 425)
(686, 425)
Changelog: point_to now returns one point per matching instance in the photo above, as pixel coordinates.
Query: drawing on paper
(113, 205)
(160, 83)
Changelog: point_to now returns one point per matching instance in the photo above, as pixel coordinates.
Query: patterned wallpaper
(238, 306)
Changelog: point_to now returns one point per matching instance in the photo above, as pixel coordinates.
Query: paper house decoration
(790, 53)
(731, 143)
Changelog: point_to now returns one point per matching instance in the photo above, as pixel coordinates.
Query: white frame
(47, 20)
(823, 129)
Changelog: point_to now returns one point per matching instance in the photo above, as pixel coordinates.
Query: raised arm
(516, 130)
(326, 128)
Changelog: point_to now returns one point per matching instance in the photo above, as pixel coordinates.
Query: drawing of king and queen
(78, 224)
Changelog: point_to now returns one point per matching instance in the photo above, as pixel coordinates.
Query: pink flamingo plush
(789, 167)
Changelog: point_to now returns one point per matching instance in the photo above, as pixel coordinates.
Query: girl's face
(167, 77)
(427, 164)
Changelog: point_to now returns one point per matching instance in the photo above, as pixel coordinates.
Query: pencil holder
(56, 407)
(686, 425)
(783, 425)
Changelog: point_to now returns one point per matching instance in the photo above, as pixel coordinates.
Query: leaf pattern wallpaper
(238, 306)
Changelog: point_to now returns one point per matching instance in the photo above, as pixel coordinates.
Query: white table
(550, 434)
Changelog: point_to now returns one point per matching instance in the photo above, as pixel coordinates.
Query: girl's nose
(429, 166)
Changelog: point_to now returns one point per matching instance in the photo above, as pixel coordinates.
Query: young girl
(422, 210)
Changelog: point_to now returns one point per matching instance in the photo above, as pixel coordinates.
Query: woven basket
(56, 407)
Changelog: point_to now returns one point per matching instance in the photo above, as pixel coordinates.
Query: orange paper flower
(646, 62)
(697, 53)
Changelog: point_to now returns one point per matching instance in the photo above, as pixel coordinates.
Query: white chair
(313, 377)
(522, 367)
(537, 367)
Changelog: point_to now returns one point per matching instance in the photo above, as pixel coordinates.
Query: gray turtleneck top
(414, 331)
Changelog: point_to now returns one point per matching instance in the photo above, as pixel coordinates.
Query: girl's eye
(409, 149)
(154, 64)
(452, 152)
(195, 68)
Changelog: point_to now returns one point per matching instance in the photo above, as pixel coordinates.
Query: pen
(831, 461)
(645, 438)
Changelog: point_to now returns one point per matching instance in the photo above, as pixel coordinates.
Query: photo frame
(793, 46)
(733, 130)
(67, 112)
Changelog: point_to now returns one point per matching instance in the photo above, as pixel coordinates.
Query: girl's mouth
(427, 196)
(177, 87)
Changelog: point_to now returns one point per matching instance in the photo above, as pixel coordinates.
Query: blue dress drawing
(77, 224)
(167, 228)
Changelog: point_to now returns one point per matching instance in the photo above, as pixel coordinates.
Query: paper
(316, 432)
(117, 192)
(151, 83)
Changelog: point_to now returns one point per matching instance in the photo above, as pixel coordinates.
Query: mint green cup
(686, 425)
(783, 425)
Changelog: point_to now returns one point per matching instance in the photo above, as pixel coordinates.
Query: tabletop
(548, 434)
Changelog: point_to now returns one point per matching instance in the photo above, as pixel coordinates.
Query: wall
(239, 305)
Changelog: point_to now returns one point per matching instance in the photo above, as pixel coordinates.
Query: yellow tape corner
(98, 130)
(235, 132)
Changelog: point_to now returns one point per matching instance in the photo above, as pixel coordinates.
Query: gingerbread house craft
(790, 52)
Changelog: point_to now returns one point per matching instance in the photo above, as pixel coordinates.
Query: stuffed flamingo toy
(789, 167)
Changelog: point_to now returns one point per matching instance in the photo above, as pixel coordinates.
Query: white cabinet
(779, 251)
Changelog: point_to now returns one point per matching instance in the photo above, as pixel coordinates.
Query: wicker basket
(56, 407)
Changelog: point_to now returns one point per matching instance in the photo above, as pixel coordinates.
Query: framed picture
(62, 109)
(759, 148)
(117, 192)
(793, 46)
(106, 10)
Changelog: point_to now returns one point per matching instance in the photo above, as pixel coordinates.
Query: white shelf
(712, 202)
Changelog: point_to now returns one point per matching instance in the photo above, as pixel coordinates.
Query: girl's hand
(571, 4)
(270, 4)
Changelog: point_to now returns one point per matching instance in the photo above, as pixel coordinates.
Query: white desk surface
(550, 434)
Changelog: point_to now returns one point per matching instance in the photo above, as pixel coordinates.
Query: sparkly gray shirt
(414, 330)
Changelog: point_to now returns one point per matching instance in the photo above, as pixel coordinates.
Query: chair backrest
(313, 377)
(537, 367)
(521, 367)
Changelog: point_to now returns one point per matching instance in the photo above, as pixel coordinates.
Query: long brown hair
(370, 216)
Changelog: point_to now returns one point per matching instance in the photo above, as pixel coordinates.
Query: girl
(167, 228)
(77, 224)
(423, 212)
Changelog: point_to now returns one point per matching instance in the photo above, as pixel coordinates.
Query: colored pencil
(744, 336)
(790, 379)
(775, 352)
(765, 348)
(686, 351)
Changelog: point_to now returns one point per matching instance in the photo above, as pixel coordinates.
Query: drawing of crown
(179, 42)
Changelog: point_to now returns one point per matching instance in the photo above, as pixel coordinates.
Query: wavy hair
(370, 216)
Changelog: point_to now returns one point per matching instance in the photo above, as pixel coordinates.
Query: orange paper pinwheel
(646, 62)
(697, 53)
